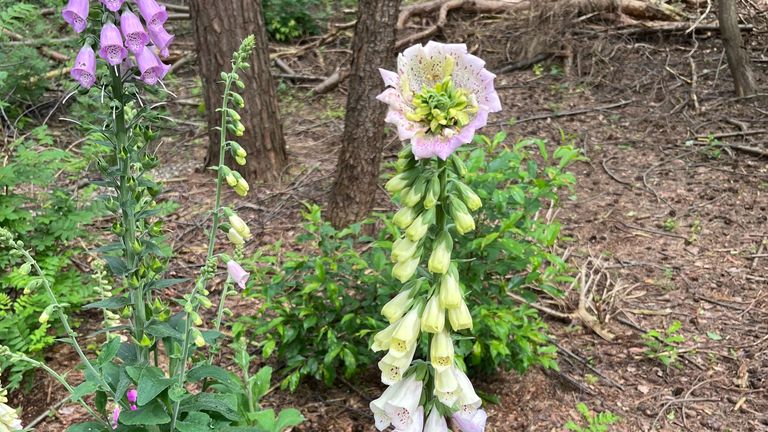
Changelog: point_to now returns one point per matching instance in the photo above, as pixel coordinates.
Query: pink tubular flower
(136, 38)
(113, 5)
(238, 275)
(132, 396)
(115, 417)
(112, 49)
(439, 97)
(76, 14)
(84, 70)
(162, 39)
(154, 14)
(151, 68)
(470, 420)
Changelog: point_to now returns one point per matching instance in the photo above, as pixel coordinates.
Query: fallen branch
(330, 83)
(53, 55)
(569, 113)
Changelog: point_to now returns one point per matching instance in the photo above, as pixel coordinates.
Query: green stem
(182, 374)
(128, 212)
(63, 382)
(442, 215)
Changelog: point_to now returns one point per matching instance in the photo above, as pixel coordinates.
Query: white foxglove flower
(433, 317)
(468, 399)
(398, 306)
(406, 333)
(394, 364)
(441, 351)
(460, 317)
(383, 339)
(436, 422)
(471, 421)
(403, 407)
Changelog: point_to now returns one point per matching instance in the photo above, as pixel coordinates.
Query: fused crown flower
(136, 38)
(151, 68)
(84, 70)
(111, 42)
(113, 5)
(237, 273)
(473, 421)
(436, 422)
(76, 14)
(397, 406)
(162, 39)
(439, 96)
(154, 14)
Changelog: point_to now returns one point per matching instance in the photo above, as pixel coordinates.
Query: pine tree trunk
(357, 178)
(735, 51)
(220, 26)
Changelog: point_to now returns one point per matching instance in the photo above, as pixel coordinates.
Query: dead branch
(330, 83)
(53, 55)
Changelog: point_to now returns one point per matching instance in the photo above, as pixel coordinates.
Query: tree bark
(220, 26)
(735, 51)
(357, 178)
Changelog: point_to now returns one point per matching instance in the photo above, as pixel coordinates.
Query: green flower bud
(450, 292)
(433, 193)
(403, 249)
(240, 161)
(398, 306)
(415, 193)
(464, 221)
(418, 229)
(400, 181)
(198, 338)
(403, 271)
(204, 302)
(404, 217)
(458, 165)
(440, 259)
(433, 317)
(25, 268)
(238, 99)
(469, 196)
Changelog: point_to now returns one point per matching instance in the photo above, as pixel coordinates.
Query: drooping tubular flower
(151, 68)
(162, 39)
(111, 42)
(76, 14)
(113, 5)
(132, 396)
(439, 96)
(237, 273)
(9, 418)
(154, 14)
(136, 38)
(115, 416)
(84, 70)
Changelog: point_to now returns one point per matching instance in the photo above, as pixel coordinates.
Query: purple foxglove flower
(162, 39)
(472, 420)
(132, 396)
(84, 70)
(112, 49)
(136, 38)
(238, 275)
(426, 68)
(151, 68)
(113, 5)
(76, 14)
(115, 417)
(154, 14)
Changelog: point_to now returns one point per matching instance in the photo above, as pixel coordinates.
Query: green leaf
(83, 389)
(164, 283)
(287, 418)
(87, 427)
(151, 383)
(153, 414)
(714, 336)
(109, 351)
(116, 265)
(110, 303)
(195, 422)
(208, 371)
(260, 382)
(164, 330)
(222, 404)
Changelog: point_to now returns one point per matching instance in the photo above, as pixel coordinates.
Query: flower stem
(128, 212)
(441, 210)
(182, 374)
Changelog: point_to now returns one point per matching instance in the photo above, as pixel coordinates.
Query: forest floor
(668, 217)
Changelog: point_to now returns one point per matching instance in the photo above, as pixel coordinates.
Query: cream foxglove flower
(450, 293)
(439, 96)
(460, 317)
(9, 418)
(404, 270)
(403, 249)
(418, 229)
(433, 316)
(436, 422)
(406, 333)
(404, 217)
(440, 260)
(394, 364)
(383, 339)
(441, 351)
(398, 306)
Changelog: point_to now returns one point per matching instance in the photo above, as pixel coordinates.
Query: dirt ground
(669, 222)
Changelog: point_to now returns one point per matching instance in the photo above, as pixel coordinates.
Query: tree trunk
(357, 175)
(220, 26)
(735, 51)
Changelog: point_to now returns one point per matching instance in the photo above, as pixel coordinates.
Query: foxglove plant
(131, 392)
(438, 98)
(9, 418)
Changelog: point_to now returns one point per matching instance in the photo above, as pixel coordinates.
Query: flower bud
(400, 181)
(198, 338)
(238, 150)
(231, 180)
(25, 268)
(440, 259)
(469, 196)
(433, 316)
(450, 293)
(403, 249)
(404, 217)
(433, 193)
(398, 306)
(418, 229)
(238, 99)
(464, 221)
(240, 161)
(441, 351)
(460, 317)
(204, 302)
(383, 339)
(235, 237)
(458, 165)
(240, 226)
(415, 193)
(404, 270)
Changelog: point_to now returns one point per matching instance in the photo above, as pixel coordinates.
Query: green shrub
(318, 296)
(291, 19)
(597, 422)
(47, 219)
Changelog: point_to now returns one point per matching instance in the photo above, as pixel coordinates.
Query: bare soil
(673, 221)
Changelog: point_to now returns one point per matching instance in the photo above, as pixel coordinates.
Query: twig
(611, 175)
(652, 231)
(181, 62)
(54, 55)
(331, 82)
(587, 365)
(701, 18)
(695, 99)
(733, 134)
(569, 113)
